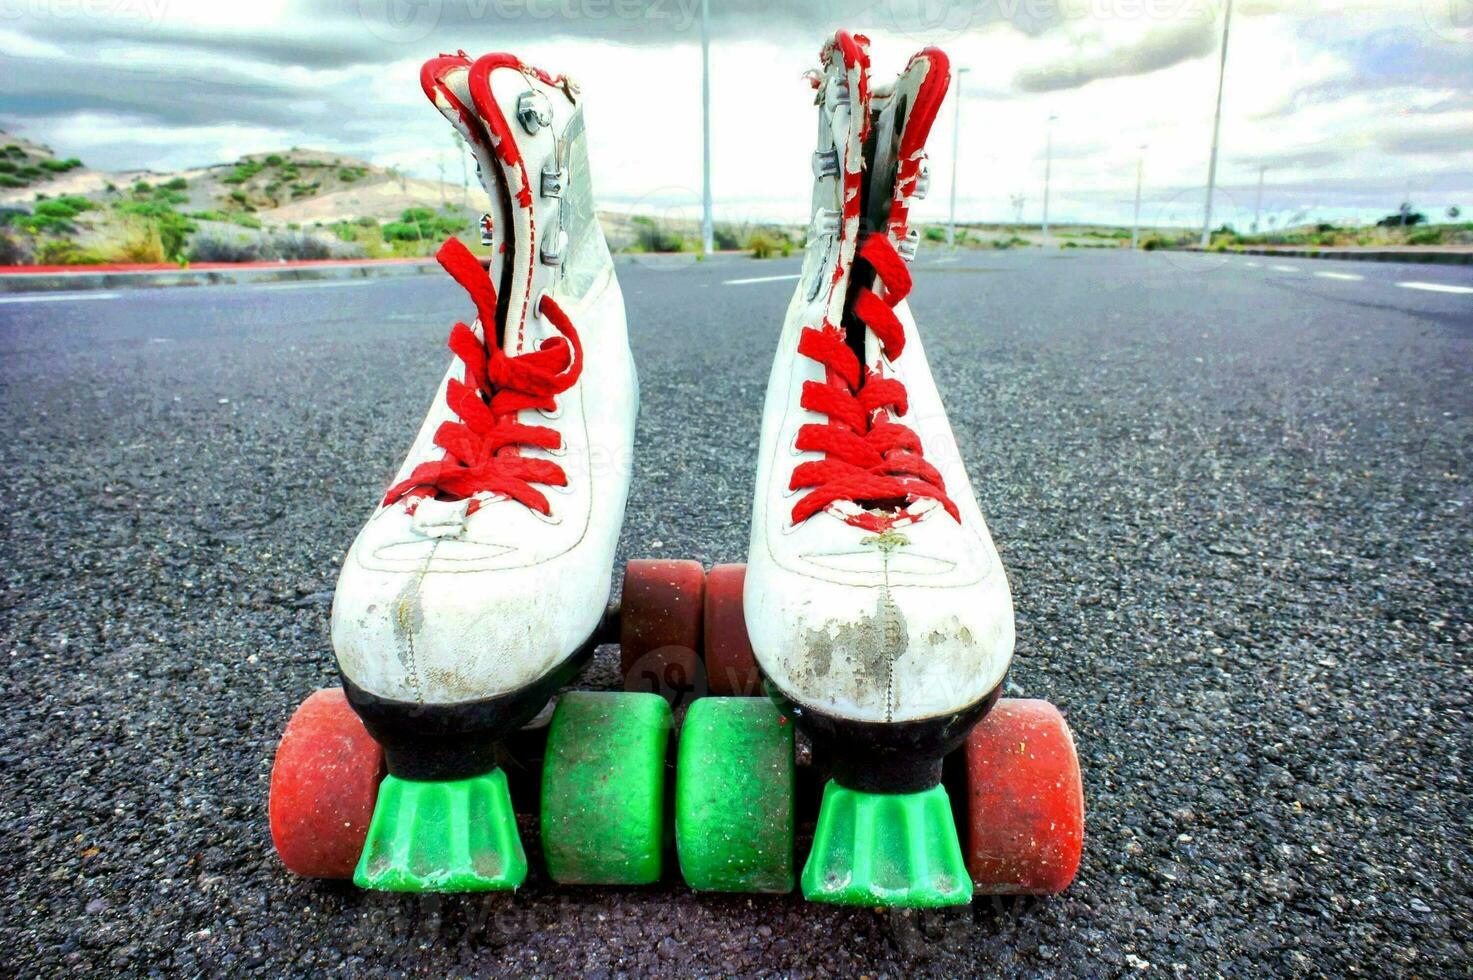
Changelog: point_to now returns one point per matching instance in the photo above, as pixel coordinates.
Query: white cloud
(1346, 101)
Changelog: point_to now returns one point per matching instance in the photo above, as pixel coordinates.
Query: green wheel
(734, 785)
(603, 788)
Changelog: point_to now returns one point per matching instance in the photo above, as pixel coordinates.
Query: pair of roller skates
(873, 613)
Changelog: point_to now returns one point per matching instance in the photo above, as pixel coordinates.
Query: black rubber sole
(457, 741)
(885, 757)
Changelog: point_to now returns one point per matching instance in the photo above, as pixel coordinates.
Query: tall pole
(956, 156)
(708, 230)
(956, 130)
(1048, 169)
(1258, 200)
(1227, 19)
(1135, 224)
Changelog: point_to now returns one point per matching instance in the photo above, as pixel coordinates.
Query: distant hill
(290, 204)
(292, 186)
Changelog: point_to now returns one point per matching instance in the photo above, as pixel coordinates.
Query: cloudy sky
(1351, 105)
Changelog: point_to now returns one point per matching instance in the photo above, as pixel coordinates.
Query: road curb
(1371, 255)
(122, 277)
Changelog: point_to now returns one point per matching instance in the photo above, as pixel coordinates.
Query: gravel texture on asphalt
(1234, 504)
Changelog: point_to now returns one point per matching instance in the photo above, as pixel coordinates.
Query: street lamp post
(1048, 169)
(708, 230)
(1258, 199)
(1227, 19)
(956, 130)
(1135, 224)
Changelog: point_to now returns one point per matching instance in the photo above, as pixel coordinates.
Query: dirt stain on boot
(868, 647)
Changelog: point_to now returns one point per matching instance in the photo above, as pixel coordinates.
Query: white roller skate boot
(877, 607)
(477, 586)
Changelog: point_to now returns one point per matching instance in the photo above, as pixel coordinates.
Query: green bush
(402, 231)
(173, 227)
(274, 160)
(63, 252)
(6, 167)
(61, 166)
(54, 216)
(143, 244)
(421, 224)
(243, 171)
(933, 233)
(650, 237)
(763, 245)
(177, 184)
(6, 180)
(68, 206)
(1429, 236)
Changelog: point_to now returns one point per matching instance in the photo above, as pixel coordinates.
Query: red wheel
(1025, 801)
(323, 787)
(660, 625)
(731, 670)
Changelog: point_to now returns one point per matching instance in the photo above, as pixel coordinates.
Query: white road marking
(1251, 265)
(1284, 268)
(56, 297)
(747, 282)
(1436, 287)
(1346, 276)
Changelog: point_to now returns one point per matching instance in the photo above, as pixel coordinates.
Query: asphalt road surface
(1232, 494)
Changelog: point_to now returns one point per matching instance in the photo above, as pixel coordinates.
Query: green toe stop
(734, 796)
(443, 836)
(882, 849)
(603, 788)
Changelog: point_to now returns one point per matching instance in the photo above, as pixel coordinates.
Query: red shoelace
(867, 457)
(481, 448)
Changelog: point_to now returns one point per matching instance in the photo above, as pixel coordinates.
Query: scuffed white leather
(438, 606)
